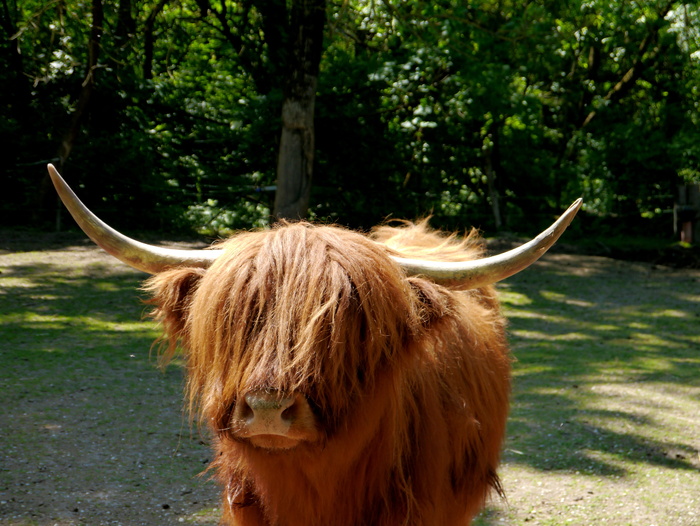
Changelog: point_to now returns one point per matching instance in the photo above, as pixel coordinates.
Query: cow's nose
(267, 412)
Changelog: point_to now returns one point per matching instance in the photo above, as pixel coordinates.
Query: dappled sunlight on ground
(604, 427)
(605, 422)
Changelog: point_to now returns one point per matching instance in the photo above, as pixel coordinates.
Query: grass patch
(92, 432)
(606, 406)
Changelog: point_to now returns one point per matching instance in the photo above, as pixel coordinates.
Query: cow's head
(278, 353)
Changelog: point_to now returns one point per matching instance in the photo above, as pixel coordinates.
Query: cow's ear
(434, 301)
(171, 296)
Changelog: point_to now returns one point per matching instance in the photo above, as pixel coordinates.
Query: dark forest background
(166, 114)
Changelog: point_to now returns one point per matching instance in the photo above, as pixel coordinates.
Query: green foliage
(489, 113)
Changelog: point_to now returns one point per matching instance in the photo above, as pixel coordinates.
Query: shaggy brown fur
(409, 380)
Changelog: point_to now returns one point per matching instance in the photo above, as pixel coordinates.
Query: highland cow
(346, 379)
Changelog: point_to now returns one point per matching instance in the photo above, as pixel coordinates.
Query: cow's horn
(141, 256)
(153, 259)
(482, 272)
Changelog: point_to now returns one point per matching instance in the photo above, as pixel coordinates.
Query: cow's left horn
(482, 272)
(141, 256)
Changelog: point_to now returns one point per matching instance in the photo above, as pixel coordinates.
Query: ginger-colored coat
(406, 381)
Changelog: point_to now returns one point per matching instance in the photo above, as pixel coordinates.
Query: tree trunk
(492, 168)
(296, 153)
(296, 156)
(494, 195)
(88, 86)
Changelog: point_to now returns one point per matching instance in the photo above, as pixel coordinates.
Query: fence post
(686, 212)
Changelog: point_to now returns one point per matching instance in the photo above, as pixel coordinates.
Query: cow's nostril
(289, 412)
(242, 411)
(245, 412)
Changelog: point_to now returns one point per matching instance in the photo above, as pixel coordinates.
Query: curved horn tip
(570, 212)
(480, 272)
(52, 170)
(55, 176)
(576, 204)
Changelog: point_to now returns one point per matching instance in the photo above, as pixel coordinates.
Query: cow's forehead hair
(299, 305)
(306, 254)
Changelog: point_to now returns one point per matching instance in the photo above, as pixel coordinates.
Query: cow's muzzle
(270, 419)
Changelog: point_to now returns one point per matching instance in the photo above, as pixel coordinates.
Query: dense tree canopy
(167, 113)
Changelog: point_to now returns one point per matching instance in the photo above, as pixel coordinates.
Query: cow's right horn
(481, 272)
(141, 256)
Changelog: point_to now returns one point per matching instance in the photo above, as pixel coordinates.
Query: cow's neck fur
(293, 487)
(376, 480)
